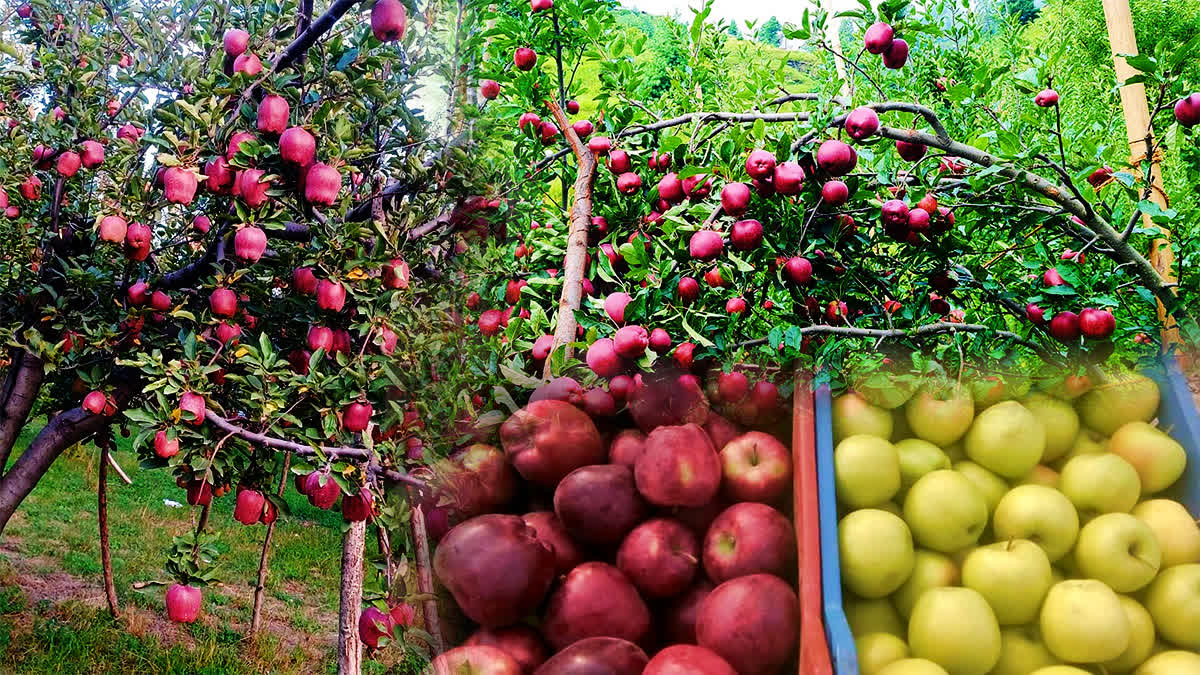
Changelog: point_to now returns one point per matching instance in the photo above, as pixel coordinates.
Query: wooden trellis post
(1141, 142)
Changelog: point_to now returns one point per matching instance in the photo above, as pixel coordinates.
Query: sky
(787, 11)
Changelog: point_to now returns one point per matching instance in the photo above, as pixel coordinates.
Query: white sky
(787, 11)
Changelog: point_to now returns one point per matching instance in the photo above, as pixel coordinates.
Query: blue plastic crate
(1177, 415)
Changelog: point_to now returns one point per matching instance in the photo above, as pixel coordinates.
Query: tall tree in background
(771, 32)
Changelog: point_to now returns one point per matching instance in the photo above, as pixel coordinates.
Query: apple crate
(1177, 415)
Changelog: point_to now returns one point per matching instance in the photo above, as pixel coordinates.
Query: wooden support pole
(350, 647)
(1140, 133)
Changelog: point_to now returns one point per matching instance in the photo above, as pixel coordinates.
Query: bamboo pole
(1141, 142)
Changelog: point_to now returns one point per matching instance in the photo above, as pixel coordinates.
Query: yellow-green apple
(1082, 621)
(913, 667)
(876, 650)
(866, 471)
(1040, 514)
(1061, 670)
(930, 570)
(940, 415)
(1006, 439)
(1087, 442)
(1109, 406)
(1042, 475)
(1158, 458)
(1141, 638)
(749, 538)
(917, 458)
(1177, 531)
(876, 551)
(1013, 576)
(1022, 651)
(853, 415)
(756, 468)
(1173, 599)
(1097, 484)
(873, 616)
(1059, 421)
(945, 511)
(1171, 663)
(956, 629)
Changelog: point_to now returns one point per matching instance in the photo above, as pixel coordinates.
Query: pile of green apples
(985, 529)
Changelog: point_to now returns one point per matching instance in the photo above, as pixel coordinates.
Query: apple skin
(878, 37)
(876, 549)
(1103, 483)
(660, 557)
(876, 650)
(1110, 406)
(1158, 459)
(939, 420)
(549, 530)
(1170, 663)
(600, 655)
(1006, 439)
(546, 440)
(599, 504)
(853, 415)
(1082, 621)
(595, 600)
(721, 431)
(679, 467)
(752, 622)
(1173, 599)
(749, 538)
(677, 620)
(667, 397)
(866, 471)
(874, 616)
(520, 642)
(1013, 576)
(930, 570)
(480, 480)
(1059, 421)
(956, 629)
(945, 511)
(756, 468)
(495, 568)
(1038, 513)
(917, 458)
(912, 667)
(1177, 531)
(688, 660)
(1141, 637)
(626, 447)
(1022, 651)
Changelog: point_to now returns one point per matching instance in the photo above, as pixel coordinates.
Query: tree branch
(19, 393)
(298, 47)
(920, 331)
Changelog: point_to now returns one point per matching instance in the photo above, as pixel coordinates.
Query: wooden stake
(350, 647)
(261, 587)
(1141, 142)
(110, 587)
(433, 620)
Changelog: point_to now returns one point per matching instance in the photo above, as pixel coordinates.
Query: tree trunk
(65, 430)
(17, 396)
(350, 648)
(110, 588)
(261, 586)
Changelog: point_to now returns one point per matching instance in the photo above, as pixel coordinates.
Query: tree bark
(429, 609)
(110, 588)
(261, 586)
(350, 647)
(65, 430)
(19, 393)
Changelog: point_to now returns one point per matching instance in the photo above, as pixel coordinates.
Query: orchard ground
(52, 612)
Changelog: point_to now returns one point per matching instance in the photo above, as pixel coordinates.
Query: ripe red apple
(250, 243)
(626, 447)
(597, 656)
(548, 131)
(1096, 324)
(524, 58)
(705, 245)
(732, 387)
(249, 508)
(31, 188)
(1064, 327)
(475, 660)
(1035, 314)
(603, 359)
(356, 416)
(614, 306)
(599, 403)
(760, 164)
(660, 557)
(550, 531)
(273, 112)
(735, 306)
(331, 295)
(489, 89)
(879, 37)
(394, 274)
(495, 568)
(667, 398)
(68, 163)
(199, 493)
(572, 107)
(918, 220)
(670, 188)
(546, 440)
(835, 193)
(490, 322)
(745, 235)
(248, 64)
(798, 270)
(1046, 98)
(752, 622)
(688, 660)
(684, 354)
(698, 186)
(619, 162)
(183, 603)
(520, 642)
(322, 184)
(836, 158)
(1053, 278)
(98, 403)
(756, 467)
(679, 467)
(235, 41)
(749, 538)
(297, 146)
(373, 625)
(220, 175)
(631, 341)
(388, 20)
(228, 333)
(583, 128)
(896, 54)
(192, 408)
(788, 178)
(165, 446)
(862, 123)
(594, 600)
(629, 183)
(677, 620)
(529, 120)
(599, 504)
(599, 145)
(689, 290)
(894, 211)
(735, 198)
(911, 152)
(1187, 110)
(113, 229)
(160, 301)
(250, 186)
(359, 506)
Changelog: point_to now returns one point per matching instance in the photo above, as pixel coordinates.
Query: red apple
(603, 359)
(594, 600)
(474, 659)
(1096, 324)
(752, 622)
(322, 184)
(749, 538)
(660, 341)
(619, 162)
(835, 193)
(165, 446)
(297, 146)
(597, 656)
(249, 508)
(520, 642)
(546, 440)
(1187, 110)
(660, 557)
(183, 603)
(388, 20)
(705, 245)
(836, 158)
(667, 397)
(735, 198)
(911, 152)
(480, 480)
(760, 164)
(879, 37)
(757, 468)
(689, 289)
(788, 178)
(798, 270)
(1064, 327)
(599, 145)
(524, 58)
(1035, 314)
(1046, 98)
(862, 123)
(235, 41)
(679, 467)
(273, 113)
(599, 504)
(746, 235)
(559, 389)
(626, 447)
(192, 408)
(550, 531)
(688, 660)
(630, 342)
(896, 55)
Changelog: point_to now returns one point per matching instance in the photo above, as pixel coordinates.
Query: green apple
(1178, 533)
(1109, 406)
(1006, 439)
(1059, 421)
(873, 616)
(853, 415)
(1087, 442)
(1022, 651)
(876, 550)
(1158, 458)
(945, 511)
(1013, 576)
(917, 458)
(1082, 621)
(1173, 599)
(1042, 475)
(866, 471)
(913, 667)
(1098, 484)
(1119, 550)
(1040, 514)
(885, 390)
(1171, 663)
(988, 391)
(1061, 670)
(940, 414)
(991, 486)
(930, 570)
(1141, 638)
(876, 650)
(956, 629)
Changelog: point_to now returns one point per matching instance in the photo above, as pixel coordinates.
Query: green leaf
(695, 335)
